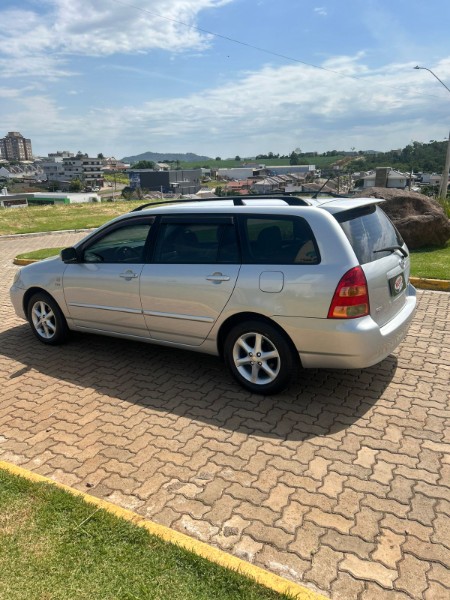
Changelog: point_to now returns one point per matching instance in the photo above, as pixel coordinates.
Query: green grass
(54, 545)
(118, 178)
(40, 254)
(33, 219)
(318, 161)
(432, 263)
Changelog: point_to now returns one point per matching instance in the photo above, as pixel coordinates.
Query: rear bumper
(350, 344)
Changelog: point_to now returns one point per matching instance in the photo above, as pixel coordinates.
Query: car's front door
(190, 279)
(102, 289)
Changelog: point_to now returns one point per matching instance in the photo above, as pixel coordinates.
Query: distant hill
(158, 157)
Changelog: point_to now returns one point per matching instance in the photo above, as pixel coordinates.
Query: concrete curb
(40, 233)
(437, 285)
(268, 580)
(23, 262)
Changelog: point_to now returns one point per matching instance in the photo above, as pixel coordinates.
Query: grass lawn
(54, 545)
(33, 219)
(432, 263)
(40, 254)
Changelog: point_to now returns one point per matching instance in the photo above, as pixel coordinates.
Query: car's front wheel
(260, 357)
(46, 319)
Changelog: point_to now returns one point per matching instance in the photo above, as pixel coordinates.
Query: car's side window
(196, 243)
(122, 245)
(280, 240)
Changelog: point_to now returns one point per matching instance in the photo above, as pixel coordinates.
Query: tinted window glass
(367, 230)
(284, 240)
(123, 245)
(196, 243)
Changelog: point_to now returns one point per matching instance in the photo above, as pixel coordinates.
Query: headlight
(17, 276)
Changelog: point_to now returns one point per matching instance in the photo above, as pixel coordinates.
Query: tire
(46, 319)
(271, 371)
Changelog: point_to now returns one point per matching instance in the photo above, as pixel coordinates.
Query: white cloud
(274, 109)
(321, 11)
(100, 28)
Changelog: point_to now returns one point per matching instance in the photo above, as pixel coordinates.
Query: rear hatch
(383, 256)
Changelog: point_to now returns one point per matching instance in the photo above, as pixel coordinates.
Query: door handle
(128, 275)
(217, 277)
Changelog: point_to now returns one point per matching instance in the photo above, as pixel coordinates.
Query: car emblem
(398, 285)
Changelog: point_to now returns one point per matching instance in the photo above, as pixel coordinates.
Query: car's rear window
(369, 229)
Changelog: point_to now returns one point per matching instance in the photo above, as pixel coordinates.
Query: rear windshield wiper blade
(393, 249)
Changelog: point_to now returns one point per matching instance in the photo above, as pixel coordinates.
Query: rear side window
(279, 240)
(369, 229)
(196, 243)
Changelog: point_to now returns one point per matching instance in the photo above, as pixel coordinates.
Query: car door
(191, 277)
(102, 289)
(384, 257)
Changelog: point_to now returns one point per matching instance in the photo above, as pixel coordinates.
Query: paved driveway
(341, 484)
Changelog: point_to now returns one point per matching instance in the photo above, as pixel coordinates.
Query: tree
(237, 158)
(75, 185)
(293, 158)
(144, 164)
(100, 156)
(218, 158)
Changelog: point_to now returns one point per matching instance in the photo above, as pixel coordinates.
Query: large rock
(420, 219)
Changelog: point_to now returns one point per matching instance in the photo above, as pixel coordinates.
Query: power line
(258, 48)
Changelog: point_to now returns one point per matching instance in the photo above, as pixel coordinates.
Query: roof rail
(237, 200)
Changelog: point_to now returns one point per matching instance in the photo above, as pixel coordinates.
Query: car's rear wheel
(46, 319)
(260, 357)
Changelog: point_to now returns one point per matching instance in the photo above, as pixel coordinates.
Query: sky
(223, 77)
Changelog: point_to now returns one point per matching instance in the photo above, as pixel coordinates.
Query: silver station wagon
(268, 283)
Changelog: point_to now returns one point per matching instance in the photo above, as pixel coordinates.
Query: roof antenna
(318, 191)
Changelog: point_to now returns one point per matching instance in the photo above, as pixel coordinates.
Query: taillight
(351, 298)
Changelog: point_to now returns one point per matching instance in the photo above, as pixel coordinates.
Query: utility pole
(444, 177)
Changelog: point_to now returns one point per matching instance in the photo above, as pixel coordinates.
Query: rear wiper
(393, 249)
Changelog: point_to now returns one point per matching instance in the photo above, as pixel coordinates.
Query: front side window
(122, 245)
(280, 240)
(196, 243)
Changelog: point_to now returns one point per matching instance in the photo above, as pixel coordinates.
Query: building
(88, 170)
(61, 154)
(387, 178)
(289, 169)
(53, 168)
(237, 173)
(62, 169)
(15, 147)
(176, 182)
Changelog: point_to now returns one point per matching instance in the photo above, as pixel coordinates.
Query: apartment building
(65, 168)
(88, 170)
(15, 147)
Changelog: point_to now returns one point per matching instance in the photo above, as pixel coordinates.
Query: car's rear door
(191, 277)
(383, 256)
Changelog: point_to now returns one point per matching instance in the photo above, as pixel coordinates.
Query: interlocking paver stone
(341, 483)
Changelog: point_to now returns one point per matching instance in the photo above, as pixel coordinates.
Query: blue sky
(114, 76)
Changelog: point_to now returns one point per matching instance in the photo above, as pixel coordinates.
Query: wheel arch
(237, 318)
(30, 293)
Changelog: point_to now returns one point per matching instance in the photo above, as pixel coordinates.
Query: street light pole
(444, 178)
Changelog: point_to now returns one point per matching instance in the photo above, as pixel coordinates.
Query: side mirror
(69, 255)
